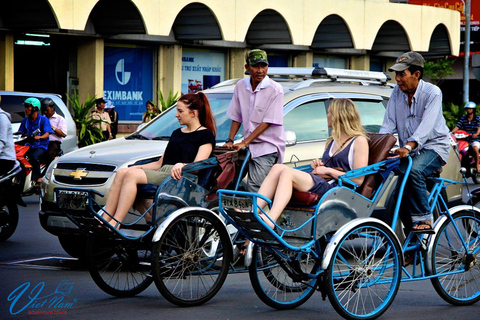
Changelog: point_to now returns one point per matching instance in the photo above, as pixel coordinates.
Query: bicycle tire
(364, 274)
(273, 284)
(191, 259)
(121, 268)
(449, 255)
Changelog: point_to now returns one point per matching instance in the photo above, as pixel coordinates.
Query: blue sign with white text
(128, 80)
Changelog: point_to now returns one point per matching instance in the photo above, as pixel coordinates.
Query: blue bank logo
(37, 302)
(122, 76)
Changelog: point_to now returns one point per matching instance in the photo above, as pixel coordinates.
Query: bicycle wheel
(364, 274)
(121, 268)
(280, 276)
(191, 259)
(458, 280)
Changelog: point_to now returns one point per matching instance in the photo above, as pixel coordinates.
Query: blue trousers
(415, 205)
(36, 156)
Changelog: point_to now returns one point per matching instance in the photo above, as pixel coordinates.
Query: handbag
(327, 177)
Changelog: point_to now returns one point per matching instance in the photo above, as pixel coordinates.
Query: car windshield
(163, 126)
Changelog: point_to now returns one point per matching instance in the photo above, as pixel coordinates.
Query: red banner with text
(458, 5)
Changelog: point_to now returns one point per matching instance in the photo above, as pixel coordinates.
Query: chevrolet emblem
(77, 175)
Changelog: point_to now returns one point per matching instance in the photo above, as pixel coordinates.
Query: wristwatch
(407, 146)
(229, 140)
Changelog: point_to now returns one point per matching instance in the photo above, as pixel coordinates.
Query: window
(308, 121)
(13, 104)
(371, 114)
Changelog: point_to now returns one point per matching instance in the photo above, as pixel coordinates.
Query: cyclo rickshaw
(186, 243)
(331, 243)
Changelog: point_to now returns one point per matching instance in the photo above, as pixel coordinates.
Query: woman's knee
(278, 168)
(133, 175)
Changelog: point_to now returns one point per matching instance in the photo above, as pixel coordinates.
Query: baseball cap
(33, 101)
(406, 60)
(100, 100)
(256, 56)
(109, 104)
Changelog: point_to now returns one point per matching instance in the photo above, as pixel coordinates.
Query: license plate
(235, 202)
(72, 200)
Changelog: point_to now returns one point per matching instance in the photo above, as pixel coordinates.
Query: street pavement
(34, 268)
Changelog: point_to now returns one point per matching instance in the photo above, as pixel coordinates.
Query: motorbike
(9, 200)
(24, 179)
(466, 154)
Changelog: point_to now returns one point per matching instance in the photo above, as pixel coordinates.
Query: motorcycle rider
(7, 149)
(59, 129)
(39, 146)
(471, 124)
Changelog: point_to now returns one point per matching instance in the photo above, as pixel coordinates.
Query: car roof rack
(316, 74)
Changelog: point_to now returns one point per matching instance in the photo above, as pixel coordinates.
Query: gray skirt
(157, 176)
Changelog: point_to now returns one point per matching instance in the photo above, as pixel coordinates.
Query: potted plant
(87, 131)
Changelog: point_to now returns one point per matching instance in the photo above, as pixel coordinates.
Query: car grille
(81, 174)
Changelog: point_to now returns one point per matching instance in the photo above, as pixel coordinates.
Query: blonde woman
(347, 148)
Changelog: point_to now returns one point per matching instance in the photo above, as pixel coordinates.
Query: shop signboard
(201, 69)
(458, 5)
(128, 80)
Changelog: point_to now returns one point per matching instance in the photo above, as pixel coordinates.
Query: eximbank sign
(128, 80)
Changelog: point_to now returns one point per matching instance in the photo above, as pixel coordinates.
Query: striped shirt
(470, 126)
(423, 122)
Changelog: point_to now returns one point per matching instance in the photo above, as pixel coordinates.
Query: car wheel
(76, 246)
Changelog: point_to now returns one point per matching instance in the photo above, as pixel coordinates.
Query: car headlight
(48, 173)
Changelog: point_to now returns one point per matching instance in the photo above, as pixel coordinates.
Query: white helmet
(470, 105)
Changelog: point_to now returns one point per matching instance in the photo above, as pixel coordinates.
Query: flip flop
(428, 230)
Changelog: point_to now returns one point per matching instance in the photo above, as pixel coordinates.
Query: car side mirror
(291, 138)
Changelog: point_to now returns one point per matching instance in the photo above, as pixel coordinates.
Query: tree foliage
(167, 102)
(438, 70)
(87, 131)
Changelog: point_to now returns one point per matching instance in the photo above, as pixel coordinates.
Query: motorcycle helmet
(34, 102)
(470, 105)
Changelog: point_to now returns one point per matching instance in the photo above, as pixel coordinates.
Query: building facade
(126, 50)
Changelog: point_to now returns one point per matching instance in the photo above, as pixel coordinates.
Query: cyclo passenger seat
(214, 173)
(379, 146)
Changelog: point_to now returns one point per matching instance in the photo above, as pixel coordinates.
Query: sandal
(428, 230)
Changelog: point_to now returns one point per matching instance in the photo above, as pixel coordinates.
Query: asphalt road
(32, 261)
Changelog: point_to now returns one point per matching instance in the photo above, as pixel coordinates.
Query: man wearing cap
(258, 103)
(471, 124)
(414, 112)
(59, 128)
(109, 108)
(39, 127)
(100, 114)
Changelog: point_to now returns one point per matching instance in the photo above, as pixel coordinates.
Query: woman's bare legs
(123, 192)
(114, 193)
(279, 185)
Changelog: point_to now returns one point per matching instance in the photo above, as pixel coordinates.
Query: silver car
(308, 92)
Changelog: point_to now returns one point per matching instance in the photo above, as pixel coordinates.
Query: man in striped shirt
(414, 112)
(471, 124)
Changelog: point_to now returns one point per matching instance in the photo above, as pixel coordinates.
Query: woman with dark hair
(192, 142)
(152, 112)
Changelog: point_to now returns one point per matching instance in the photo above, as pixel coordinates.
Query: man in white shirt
(59, 128)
